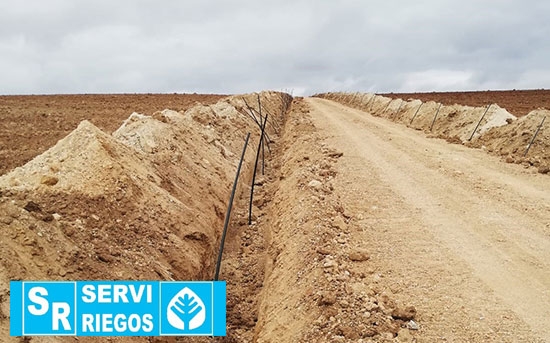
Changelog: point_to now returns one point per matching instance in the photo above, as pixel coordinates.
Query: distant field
(517, 102)
(30, 124)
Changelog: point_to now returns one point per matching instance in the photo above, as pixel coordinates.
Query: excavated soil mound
(31, 124)
(511, 141)
(490, 127)
(146, 202)
(519, 102)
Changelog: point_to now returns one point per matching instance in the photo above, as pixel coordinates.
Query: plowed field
(29, 124)
(517, 102)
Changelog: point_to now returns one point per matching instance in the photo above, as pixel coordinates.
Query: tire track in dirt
(492, 232)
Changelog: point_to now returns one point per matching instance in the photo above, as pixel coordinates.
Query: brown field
(517, 102)
(30, 124)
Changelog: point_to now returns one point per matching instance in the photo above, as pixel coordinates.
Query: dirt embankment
(455, 232)
(31, 124)
(518, 102)
(491, 128)
(146, 202)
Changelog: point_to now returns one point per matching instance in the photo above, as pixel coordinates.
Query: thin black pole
(387, 106)
(252, 112)
(479, 122)
(534, 136)
(263, 158)
(259, 123)
(435, 117)
(273, 123)
(415, 113)
(368, 108)
(261, 140)
(260, 112)
(228, 213)
(254, 174)
(399, 108)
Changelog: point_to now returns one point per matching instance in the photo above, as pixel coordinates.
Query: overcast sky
(106, 46)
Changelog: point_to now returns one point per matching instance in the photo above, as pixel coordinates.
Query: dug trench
(147, 202)
(345, 244)
(144, 203)
(370, 233)
(296, 274)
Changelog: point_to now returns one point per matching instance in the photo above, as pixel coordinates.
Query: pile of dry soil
(491, 128)
(146, 202)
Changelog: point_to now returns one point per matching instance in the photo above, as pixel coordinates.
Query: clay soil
(452, 231)
(364, 230)
(145, 202)
(29, 124)
(517, 102)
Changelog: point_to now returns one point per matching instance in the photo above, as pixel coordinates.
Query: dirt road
(452, 230)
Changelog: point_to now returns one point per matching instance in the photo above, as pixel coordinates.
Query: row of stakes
(369, 104)
(262, 121)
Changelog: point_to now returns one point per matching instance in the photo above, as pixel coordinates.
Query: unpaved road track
(459, 234)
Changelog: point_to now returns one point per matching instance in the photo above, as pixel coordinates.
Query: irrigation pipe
(259, 122)
(254, 174)
(261, 140)
(228, 212)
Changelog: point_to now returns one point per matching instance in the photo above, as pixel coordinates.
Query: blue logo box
(117, 308)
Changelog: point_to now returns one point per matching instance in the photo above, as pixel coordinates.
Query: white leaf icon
(186, 310)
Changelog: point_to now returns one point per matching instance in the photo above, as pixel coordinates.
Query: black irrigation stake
(261, 140)
(400, 104)
(260, 126)
(260, 108)
(273, 123)
(387, 106)
(251, 112)
(228, 213)
(362, 102)
(435, 117)
(263, 158)
(534, 136)
(254, 174)
(415, 113)
(368, 103)
(276, 129)
(259, 123)
(479, 123)
(250, 115)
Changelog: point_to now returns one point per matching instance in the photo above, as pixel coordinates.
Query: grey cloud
(65, 46)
